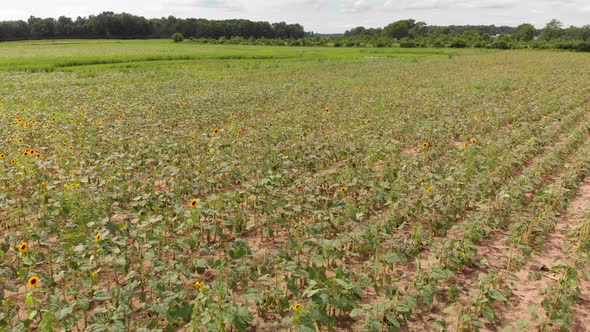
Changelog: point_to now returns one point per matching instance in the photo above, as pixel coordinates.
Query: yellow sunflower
(34, 281)
(194, 203)
(24, 246)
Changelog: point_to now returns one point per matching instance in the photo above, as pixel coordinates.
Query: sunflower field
(151, 186)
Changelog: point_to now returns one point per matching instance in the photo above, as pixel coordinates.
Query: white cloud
(328, 16)
(214, 4)
(356, 6)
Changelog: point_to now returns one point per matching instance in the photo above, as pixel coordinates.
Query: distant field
(63, 55)
(149, 185)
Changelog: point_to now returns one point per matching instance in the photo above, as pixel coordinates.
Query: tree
(399, 29)
(524, 32)
(177, 37)
(552, 30)
(418, 30)
(43, 28)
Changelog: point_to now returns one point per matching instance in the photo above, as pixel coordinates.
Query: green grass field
(147, 185)
(68, 54)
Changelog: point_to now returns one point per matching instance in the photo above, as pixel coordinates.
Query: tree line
(124, 25)
(409, 33)
(402, 33)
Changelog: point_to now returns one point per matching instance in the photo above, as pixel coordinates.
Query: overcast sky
(324, 16)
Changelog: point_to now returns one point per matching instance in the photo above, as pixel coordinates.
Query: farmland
(150, 185)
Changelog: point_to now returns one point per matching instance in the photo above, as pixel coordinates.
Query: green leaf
(440, 274)
(101, 295)
(488, 313)
(494, 294)
(355, 312)
(33, 314)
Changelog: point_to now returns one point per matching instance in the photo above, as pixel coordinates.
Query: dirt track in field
(526, 300)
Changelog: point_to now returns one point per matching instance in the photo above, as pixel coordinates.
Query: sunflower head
(24, 246)
(327, 110)
(343, 189)
(216, 130)
(240, 131)
(194, 203)
(98, 237)
(34, 281)
(473, 140)
(297, 307)
(425, 145)
(429, 189)
(2, 156)
(20, 140)
(199, 286)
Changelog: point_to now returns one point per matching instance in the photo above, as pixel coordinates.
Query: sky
(322, 16)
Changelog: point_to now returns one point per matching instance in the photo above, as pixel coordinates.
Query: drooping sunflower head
(98, 237)
(199, 286)
(24, 246)
(429, 189)
(34, 281)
